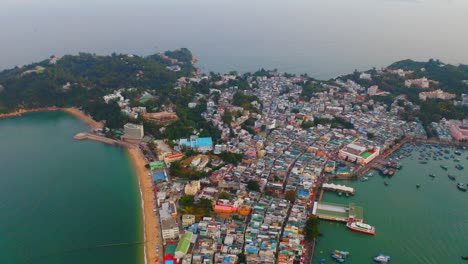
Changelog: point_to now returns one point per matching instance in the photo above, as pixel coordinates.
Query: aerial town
(254, 209)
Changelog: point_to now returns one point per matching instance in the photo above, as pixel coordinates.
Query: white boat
(382, 258)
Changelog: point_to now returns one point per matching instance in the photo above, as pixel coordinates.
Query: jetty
(338, 188)
(338, 212)
(91, 136)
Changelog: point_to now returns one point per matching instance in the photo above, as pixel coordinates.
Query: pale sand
(86, 118)
(73, 111)
(151, 224)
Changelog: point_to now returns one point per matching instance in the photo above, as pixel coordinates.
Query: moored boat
(423, 162)
(459, 166)
(451, 177)
(361, 227)
(444, 167)
(432, 175)
(339, 256)
(461, 186)
(382, 258)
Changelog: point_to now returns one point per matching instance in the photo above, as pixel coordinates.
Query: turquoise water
(428, 225)
(65, 201)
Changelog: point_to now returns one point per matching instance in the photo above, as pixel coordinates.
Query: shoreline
(70, 110)
(150, 223)
(145, 185)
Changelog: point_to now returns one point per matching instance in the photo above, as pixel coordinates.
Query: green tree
(224, 195)
(242, 258)
(290, 195)
(312, 228)
(186, 200)
(253, 185)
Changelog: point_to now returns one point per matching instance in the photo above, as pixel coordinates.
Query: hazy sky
(321, 37)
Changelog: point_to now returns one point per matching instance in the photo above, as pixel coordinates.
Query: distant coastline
(70, 110)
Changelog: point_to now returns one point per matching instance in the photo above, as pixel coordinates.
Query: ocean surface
(428, 225)
(62, 200)
(324, 38)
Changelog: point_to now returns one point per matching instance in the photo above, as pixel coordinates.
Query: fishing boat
(339, 256)
(456, 160)
(423, 162)
(457, 152)
(361, 227)
(461, 186)
(451, 177)
(382, 258)
(432, 175)
(444, 167)
(459, 166)
(417, 186)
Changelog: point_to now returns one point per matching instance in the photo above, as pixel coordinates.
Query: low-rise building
(169, 229)
(437, 94)
(192, 188)
(188, 220)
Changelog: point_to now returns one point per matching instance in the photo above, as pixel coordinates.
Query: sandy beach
(71, 110)
(151, 224)
(86, 118)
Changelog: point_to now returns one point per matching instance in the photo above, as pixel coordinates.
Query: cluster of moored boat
(340, 256)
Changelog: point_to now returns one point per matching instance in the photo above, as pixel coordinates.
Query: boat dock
(337, 212)
(338, 188)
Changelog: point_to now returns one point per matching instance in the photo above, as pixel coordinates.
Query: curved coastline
(70, 110)
(150, 223)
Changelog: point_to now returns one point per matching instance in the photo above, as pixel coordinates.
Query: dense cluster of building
(284, 155)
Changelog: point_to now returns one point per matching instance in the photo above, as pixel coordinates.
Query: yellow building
(192, 188)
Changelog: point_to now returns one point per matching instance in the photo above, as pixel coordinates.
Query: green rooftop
(366, 155)
(184, 243)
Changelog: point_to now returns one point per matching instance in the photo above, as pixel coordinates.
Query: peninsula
(231, 166)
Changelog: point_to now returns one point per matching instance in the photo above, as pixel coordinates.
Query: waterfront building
(169, 229)
(133, 131)
(459, 132)
(358, 153)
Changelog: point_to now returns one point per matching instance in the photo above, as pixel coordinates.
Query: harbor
(414, 225)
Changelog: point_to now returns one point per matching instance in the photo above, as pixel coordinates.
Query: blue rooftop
(199, 142)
